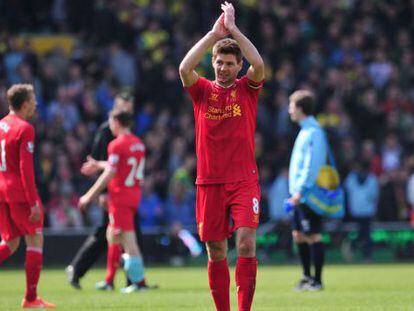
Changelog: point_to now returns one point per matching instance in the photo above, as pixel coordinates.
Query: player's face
(294, 112)
(31, 106)
(226, 68)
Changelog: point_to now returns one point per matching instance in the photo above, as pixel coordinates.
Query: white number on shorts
(255, 206)
(3, 164)
(136, 172)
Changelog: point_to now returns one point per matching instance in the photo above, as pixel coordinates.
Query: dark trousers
(364, 236)
(95, 245)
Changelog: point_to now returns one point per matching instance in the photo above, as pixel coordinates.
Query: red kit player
(21, 212)
(123, 173)
(227, 177)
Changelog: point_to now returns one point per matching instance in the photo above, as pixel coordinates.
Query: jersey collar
(220, 87)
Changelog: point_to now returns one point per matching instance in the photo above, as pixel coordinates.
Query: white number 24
(136, 172)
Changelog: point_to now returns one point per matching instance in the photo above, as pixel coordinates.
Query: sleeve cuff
(255, 85)
(189, 88)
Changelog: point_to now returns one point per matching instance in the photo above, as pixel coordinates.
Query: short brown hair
(227, 46)
(124, 97)
(125, 118)
(17, 94)
(305, 100)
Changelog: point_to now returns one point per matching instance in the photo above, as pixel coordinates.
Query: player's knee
(216, 251)
(246, 247)
(13, 244)
(216, 255)
(132, 250)
(113, 236)
(35, 240)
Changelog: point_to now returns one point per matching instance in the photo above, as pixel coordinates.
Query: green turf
(348, 287)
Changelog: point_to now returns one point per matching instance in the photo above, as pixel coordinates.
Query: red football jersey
(126, 154)
(16, 160)
(225, 122)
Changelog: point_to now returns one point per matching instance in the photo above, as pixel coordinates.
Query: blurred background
(357, 56)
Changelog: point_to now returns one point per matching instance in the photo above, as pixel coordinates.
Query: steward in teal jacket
(308, 155)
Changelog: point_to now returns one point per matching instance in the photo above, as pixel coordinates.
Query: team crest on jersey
(30, 147)
(233, 94)
(236, 110)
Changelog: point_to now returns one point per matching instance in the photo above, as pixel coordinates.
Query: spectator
(392, 204)
(63, 111)
(410, 195)
(278, 193)
(362, 190)
(150, 210)
(123, 65)
(180, 218)
(12, 59)
(391, 153)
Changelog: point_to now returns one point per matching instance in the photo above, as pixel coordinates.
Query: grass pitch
(347, 287)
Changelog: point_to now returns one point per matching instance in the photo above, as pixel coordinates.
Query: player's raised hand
(229, 16)
(218, 29)
(35, 213)
(83, 202)
(90, 167)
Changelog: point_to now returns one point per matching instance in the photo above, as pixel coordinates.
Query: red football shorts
(121, 217)
(216, 203)
(14, 221)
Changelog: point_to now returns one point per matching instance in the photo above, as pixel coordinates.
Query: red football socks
(219, 280)
(33, 266)
(246, 269)
(112, 263)
(5, 252)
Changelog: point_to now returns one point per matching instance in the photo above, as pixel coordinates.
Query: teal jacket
(308, 155)
(362, 195)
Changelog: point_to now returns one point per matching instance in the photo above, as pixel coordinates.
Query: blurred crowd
(357, 56)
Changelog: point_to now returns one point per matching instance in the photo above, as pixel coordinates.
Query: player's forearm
(100, 184)
(197, 52)
(248, 49)
(102, 165)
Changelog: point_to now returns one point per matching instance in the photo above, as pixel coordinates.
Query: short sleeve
(196, 91)
(251, 85)
(27, 140)
(113, 155)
